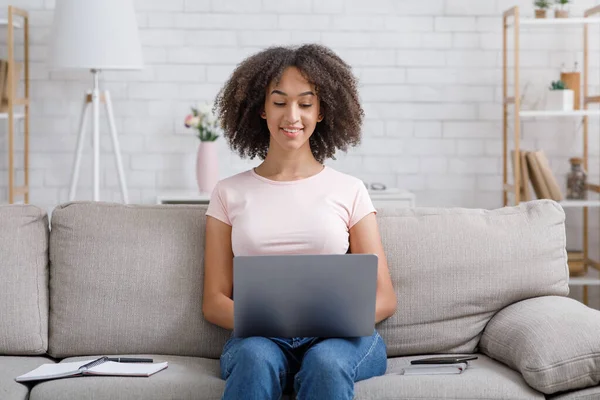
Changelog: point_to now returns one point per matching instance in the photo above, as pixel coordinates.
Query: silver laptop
(304, 295)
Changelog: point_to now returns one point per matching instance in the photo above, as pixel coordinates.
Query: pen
(129, 360)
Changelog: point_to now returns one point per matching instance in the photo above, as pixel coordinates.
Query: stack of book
(535, 168)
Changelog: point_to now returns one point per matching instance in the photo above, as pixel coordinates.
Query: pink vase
(207, 167)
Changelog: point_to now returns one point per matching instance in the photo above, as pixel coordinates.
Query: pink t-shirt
(306, 216)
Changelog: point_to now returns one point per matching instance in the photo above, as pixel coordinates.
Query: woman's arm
(217, 305)
(365, 239)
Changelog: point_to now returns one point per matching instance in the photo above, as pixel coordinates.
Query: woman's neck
(290, 166)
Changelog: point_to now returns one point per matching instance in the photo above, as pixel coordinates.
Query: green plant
(557, 85)
(542, 4)
(203, 120)
(562, 3)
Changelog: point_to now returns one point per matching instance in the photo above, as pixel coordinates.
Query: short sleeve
(362, 205)
(217, 207)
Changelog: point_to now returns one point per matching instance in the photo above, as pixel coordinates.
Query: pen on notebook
(130, 360)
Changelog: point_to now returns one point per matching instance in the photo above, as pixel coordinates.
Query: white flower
(206, 109)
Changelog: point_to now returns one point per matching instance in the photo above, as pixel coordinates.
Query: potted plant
(559, 97)
(203, 121)
(561, 12)
(540, 8)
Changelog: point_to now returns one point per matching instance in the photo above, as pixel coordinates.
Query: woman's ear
(263, 114)
(320, 118)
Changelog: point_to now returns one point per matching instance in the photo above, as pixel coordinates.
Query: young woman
(293, 108)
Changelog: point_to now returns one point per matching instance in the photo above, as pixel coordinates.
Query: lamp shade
(95, 34)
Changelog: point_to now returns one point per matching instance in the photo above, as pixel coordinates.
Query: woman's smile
(292, 132)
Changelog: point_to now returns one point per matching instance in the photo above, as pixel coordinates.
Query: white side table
(380, 198)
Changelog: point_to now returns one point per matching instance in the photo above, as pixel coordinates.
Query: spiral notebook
(91, 367)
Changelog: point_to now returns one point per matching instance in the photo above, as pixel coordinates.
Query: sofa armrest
(553, 341)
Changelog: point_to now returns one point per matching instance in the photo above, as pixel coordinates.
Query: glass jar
(576, 180)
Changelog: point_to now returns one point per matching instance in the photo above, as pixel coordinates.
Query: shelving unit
(17, 19)
(511, 18)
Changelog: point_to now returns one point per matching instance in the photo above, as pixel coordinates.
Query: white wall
(431, 85)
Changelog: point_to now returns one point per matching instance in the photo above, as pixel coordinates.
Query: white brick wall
(430, 81)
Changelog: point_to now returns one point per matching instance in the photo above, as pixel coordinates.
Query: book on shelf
(537, 178)
(434, 369)
(549, 178)
(100, 366)
(4, 87)
(524, 176)
(540, 174)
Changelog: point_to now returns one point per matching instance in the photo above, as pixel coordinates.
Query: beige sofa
(115, 279)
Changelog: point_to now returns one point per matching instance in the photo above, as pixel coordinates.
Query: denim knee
(255, 354)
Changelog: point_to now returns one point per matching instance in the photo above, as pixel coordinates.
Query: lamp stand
(94, 98)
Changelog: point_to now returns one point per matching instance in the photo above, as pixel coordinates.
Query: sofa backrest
(454, 268)
(128, 279)
(23, 280)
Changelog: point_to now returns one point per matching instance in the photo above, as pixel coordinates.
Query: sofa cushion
(24, 280)
(198, 379)
(10, 368)
(184, 378)
(454, 268)
(484, 379)
(128, 279)
(553, 341)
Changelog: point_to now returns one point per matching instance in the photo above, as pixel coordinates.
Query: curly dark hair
(241, 100)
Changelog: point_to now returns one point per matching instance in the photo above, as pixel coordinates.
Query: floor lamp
(95, 35)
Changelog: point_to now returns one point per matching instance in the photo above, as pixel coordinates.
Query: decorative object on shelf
(96, 35)
(540, 8)
(561, 12)
(576, 180)
(206, 125)
(576, 262)
(572, 81)
(559, 97)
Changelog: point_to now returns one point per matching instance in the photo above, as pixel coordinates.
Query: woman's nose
(292, 114)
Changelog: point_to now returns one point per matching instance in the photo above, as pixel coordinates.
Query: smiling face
(292, 110)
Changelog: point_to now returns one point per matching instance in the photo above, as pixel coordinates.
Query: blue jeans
(316, 368)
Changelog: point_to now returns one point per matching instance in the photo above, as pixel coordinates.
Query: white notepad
(106, 368)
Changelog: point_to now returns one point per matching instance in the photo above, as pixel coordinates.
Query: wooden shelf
(579, 203)
(16, 24)
(555, 21)
(17, 19)
(558, 113)
(16, 115)
(583, 281)
(511, 108)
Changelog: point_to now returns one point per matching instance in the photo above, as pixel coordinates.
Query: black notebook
(100, 366)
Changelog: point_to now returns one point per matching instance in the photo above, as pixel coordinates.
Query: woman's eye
(305, 105)
(279, 104)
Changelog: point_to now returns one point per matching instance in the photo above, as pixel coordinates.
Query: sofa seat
(591, 393)
(484, 379)
(198, 378)
(10, 368)
(185, 378)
